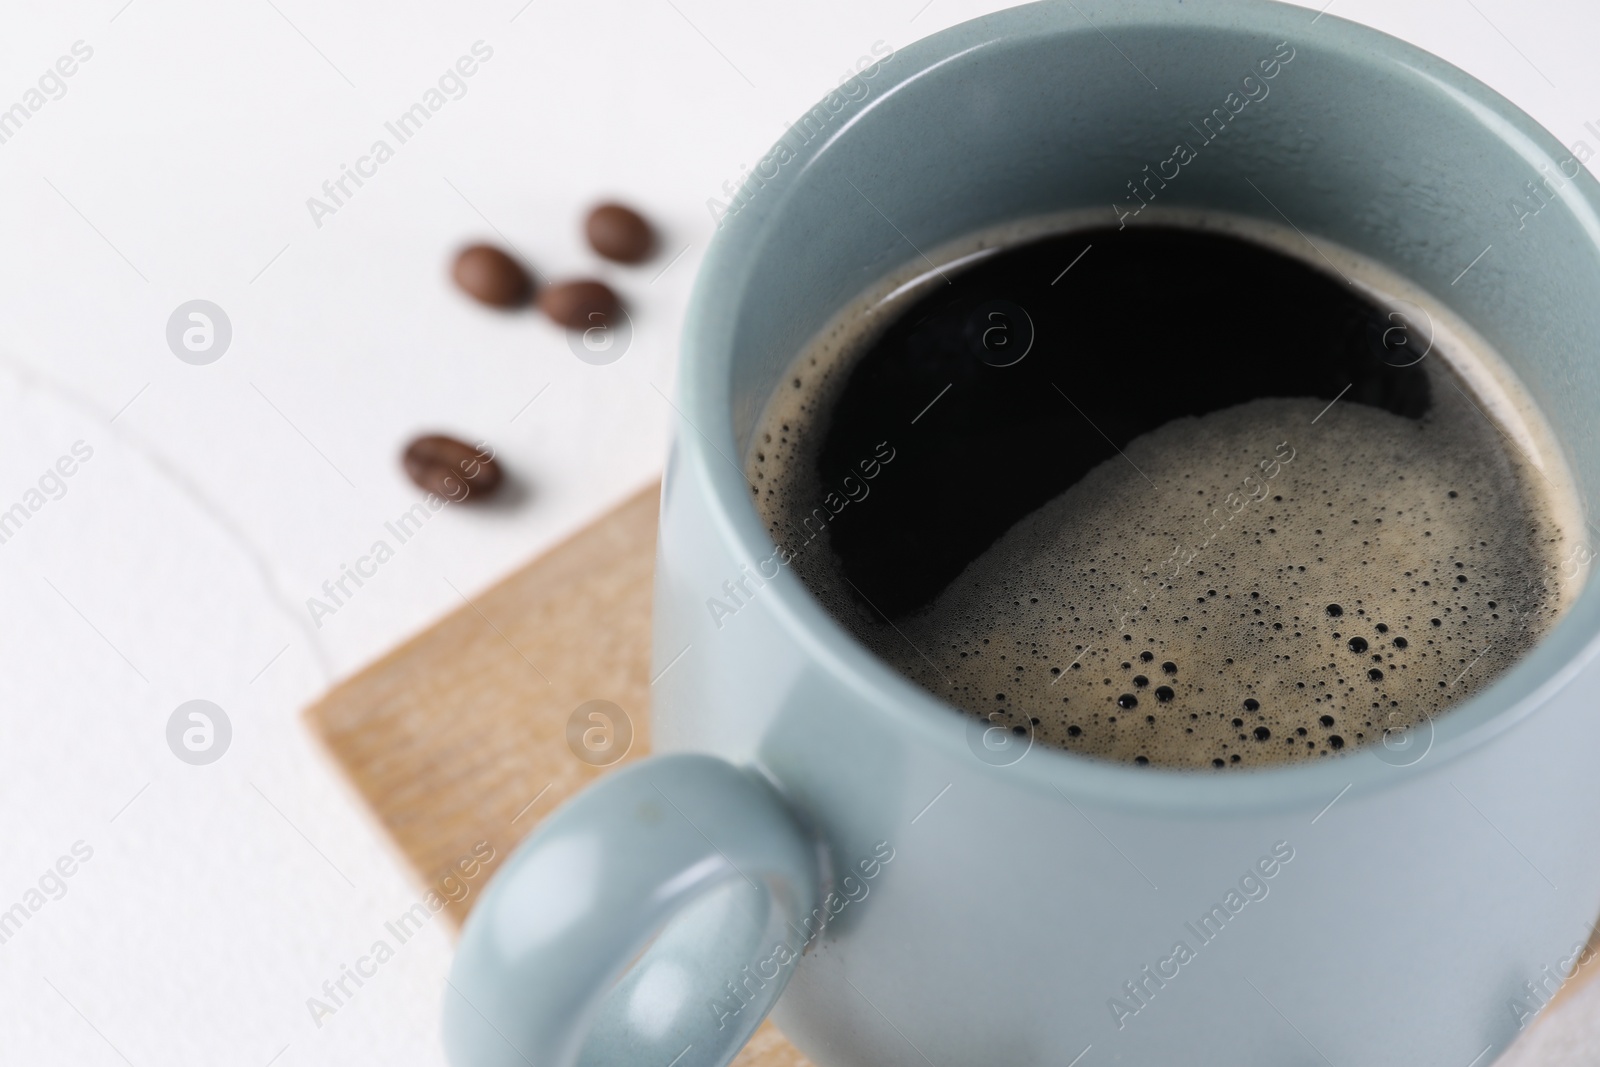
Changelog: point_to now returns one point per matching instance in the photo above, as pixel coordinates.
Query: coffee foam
(1241, 657)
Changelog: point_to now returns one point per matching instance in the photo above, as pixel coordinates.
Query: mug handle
(647, 921)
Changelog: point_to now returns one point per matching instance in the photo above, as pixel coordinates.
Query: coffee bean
(491, 277)
(580, 305)
(619, 233)
(451, 468)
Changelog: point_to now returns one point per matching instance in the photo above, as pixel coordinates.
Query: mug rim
(924, 718)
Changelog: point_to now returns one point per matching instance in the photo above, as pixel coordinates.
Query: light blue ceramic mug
(823, 829)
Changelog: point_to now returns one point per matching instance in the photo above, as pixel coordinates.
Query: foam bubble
(1061, 614)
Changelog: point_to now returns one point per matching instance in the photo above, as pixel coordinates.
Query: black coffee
(1168, 496)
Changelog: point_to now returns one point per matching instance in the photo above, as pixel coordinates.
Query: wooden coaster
(459, 736)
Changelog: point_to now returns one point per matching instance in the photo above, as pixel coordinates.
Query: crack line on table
(31, 377)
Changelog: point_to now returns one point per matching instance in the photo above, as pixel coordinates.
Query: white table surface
(176, 166)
